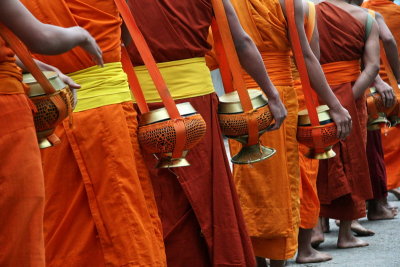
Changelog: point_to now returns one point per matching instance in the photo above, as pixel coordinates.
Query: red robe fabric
(343, 181)
(21, 176)
(198, 205)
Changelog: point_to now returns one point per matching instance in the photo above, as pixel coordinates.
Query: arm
(252, 62)
(44, 38)
(370, 61)
(317, 78)
(389, 43)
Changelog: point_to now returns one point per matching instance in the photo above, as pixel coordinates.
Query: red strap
(226, 74)
(133, 81)
(148, 59)
(301, 64)
(225, 37)
(23, 54)
(156, 76)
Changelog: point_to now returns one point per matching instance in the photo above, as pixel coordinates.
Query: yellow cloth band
(101, 86)
(185, 78)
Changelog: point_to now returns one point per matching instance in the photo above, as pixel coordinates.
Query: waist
(341, 71)
(278, 68)
(11, 79)
(185, 78)
(101, 86)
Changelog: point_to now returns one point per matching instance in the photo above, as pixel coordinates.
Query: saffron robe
(100, 208)
(343, 181)
(198, 205)
(21, 176)
(309, 202)
(390, 137)
(269, 190)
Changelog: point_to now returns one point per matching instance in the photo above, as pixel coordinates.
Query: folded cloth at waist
(341, 72)
(11, 79)
(278, 68)
(185, 79)
(101, 86)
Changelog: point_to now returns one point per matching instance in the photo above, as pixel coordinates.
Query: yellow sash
(101, 86)
(185, 78)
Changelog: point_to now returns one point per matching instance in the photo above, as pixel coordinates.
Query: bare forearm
(253, 64)
(392, 56)
(364, 81)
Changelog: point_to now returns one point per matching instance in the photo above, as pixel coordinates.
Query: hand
(72, 85)
(90, 45)
(387, 93)
(342, 119)
(278, 111)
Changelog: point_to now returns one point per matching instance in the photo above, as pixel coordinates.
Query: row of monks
(96, 199)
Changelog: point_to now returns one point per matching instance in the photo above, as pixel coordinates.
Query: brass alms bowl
(157, 134)
(234, 125)
(327, 130)
(48, 114)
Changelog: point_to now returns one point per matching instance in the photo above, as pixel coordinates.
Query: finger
(383, 96)
(71, 83)
(75, 95)
(339, 131)
(346, 130)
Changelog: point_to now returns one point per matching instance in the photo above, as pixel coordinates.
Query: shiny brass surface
(378, 123)
(323, 115)
(44, 143)
(251, 154)
(166, 161)
(329, 153)
(230, 103)
(36, 89)
(161, 114)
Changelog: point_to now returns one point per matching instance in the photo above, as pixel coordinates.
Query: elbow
(243, 43)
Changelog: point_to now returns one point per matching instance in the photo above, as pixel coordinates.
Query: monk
(343, 181)
(390, 141)
(21, 182)
(198, 205)
(309, 202)
(100, 208)
(378, 207)
(269, 190)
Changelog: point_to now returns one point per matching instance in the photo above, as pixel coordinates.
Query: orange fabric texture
(343, 181)
(100, 18)
(10, 74)
(309, 202)
(269, 190)
(100, 209)
(390, 137)
(21, 185)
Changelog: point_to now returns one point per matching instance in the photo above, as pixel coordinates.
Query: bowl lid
(230, 102)
(161, 114)
(36, 89)
(323, 115)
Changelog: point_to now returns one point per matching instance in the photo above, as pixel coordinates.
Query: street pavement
(383, 249)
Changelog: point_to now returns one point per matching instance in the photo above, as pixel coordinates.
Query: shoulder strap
(156, 76)
(23, 54)
(301, 64)
(368, 25)
(223, 35)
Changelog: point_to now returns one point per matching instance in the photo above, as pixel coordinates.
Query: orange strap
(223, 38)
(133, 81)
(23, 54)
(226, 74)
(156, 76)
(301, 64)
(310, 21)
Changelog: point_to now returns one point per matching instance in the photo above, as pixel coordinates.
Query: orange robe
(100, 208)
(343, 181)
(390, 137)
(309, 202)
(21, 176)
(269, 190)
